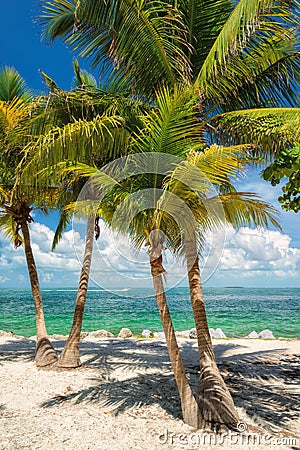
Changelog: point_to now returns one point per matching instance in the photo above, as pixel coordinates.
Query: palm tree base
(69, 359)
(215, 403)
(190, 411)
(45, 355)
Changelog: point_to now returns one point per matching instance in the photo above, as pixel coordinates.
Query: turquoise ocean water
(238, 311)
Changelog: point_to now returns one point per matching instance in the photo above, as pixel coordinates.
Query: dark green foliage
(286, 165)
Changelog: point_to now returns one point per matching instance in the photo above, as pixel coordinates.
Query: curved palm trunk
(190, 410)
(215, 402)
(44, 353)
(70, 356)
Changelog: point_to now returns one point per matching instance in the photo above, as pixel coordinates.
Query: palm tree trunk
(215, 402)
(70, 356)
(44, 353)
(190, 410)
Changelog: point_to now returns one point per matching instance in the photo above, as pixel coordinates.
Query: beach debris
(125, 333)
(266, 334)
(146, 333)
(101, 334)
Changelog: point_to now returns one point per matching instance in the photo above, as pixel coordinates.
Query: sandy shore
(124, 397)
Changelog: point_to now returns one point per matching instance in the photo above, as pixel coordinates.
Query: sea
(237, 311)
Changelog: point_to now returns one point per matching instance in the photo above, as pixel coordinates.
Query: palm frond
(12, 112)
(204, 171)
(204, 21)
(82, 77)
(64, 221)
(269, 129)
(78, 141)
(50, 83)
(7, 225)
(57, 18)
(246, 209)
(125, 32)
(172, 127)
(12, 85)
(256, 33)
(260, 80)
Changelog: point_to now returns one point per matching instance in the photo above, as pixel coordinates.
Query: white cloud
(3, 279)
(257, 250)
(63, 259)
(256, 255)
(47, 277)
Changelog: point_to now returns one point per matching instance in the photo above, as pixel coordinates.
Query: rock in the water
(182, 334)
(266, 334)
(219, 333)
(6, 333)
(159, 335)
(193, 333)
(125, 333)
(83, 334)
(212, 333)
(252, 335)
(58, 337)
(101, 334)
(146, 333)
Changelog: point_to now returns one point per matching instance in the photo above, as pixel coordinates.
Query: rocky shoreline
(126, 333)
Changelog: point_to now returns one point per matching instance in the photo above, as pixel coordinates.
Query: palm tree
(87, 124)
(238, 55)
(156, 133)
(15, 207)
(172, 127)
(213, 166)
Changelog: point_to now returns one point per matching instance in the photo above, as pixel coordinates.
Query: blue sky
(21, 46)
(250, 257)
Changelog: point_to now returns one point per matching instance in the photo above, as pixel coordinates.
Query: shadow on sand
(263, 383)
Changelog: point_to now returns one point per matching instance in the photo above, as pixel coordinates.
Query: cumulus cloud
(248, 254)
(116, 261)
(41, 241)
(252, 251)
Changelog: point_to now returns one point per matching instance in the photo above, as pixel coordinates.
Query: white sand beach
(124, 396)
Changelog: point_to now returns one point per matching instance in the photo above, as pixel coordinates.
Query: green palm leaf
(57, 18)
(74, 142)
(269, 129)
(262, 19)
(7, 225)
(126, 32)
(12, 85)
(245, 208)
